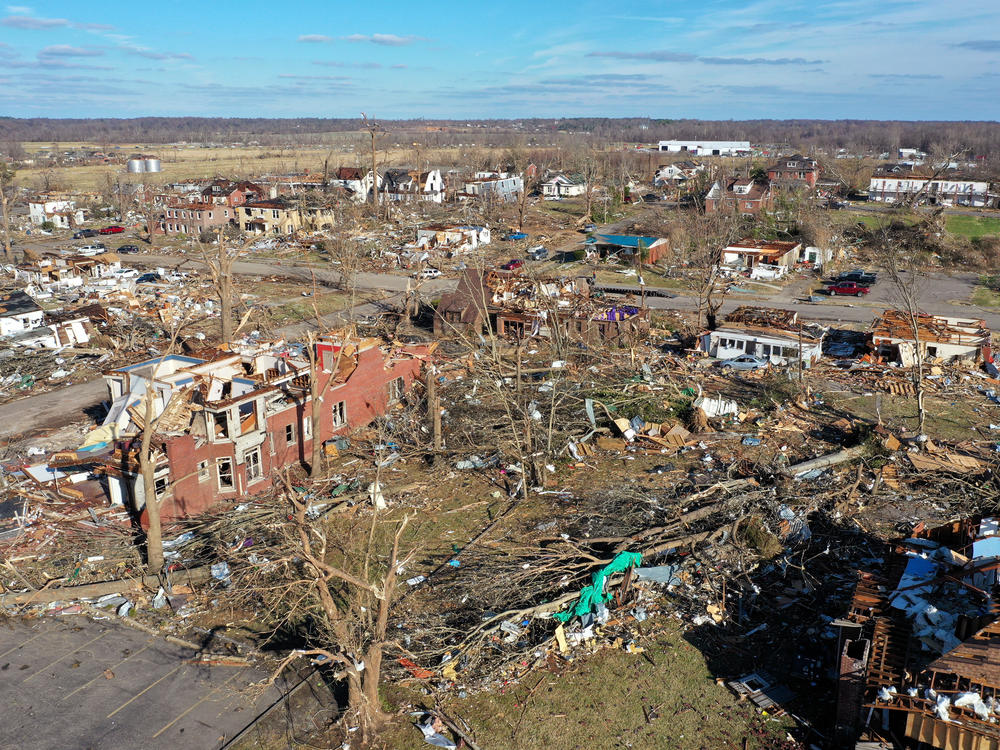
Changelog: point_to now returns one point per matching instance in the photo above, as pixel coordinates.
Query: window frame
(231, 485)
(252, 461)
(338, 413)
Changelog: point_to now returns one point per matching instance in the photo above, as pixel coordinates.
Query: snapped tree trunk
(154, 534)
(226, 305)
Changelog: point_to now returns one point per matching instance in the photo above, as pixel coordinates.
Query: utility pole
(372, 127)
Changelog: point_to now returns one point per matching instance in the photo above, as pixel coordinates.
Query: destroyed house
(939, 337)
(650, 249)
(778, 335)
(224, 424)
(515, 306)
(452, 237)
(919, 654)
(749, 253)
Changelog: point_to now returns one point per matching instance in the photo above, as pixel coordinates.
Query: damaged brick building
(227, 421)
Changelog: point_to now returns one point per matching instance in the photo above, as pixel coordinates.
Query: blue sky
(717, 59)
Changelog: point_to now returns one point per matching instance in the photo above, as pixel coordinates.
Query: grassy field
(189, 162)
(973, 226)
(983, 296)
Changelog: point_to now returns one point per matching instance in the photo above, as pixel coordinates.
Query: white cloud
(65, 50)
(315, 38)
(31, 22)
(388, 40)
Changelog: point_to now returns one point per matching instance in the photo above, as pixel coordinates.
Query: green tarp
(594, 593)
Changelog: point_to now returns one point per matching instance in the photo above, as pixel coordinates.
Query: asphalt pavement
(76, 683)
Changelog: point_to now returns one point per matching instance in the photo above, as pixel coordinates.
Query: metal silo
(152, 165)
(136, 165)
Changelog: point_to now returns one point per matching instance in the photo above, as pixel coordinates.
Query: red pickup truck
(848, 287)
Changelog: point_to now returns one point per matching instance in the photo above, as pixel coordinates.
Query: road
(83, 684)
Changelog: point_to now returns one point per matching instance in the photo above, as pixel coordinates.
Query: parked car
(149, 278)
(848, 288)
(587, 228)
(538, 252)
(512, 264)
(126, 249)
(114, 229)
(428, 273)
(127, 273)
(511, 236)
(745, 362)
(83, 233)
(861, 277)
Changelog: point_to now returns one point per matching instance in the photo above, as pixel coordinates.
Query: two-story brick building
(796, 171)
(194, 218)
(229, 420)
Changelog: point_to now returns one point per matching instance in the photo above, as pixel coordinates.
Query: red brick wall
(366, 394)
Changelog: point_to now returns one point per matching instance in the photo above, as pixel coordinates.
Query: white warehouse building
(707, 148)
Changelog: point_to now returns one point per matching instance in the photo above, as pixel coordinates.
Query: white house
(358, 182)
(707, 148)
(764, 332)
(897, 184)
(19, 313)
(408, 185)
(560, 186)
(62, 213)
(452, 237)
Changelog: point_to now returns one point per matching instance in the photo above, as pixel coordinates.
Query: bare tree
(6, 188)
(348, 585)
(220, 261)
(899, 254)
(147, 462)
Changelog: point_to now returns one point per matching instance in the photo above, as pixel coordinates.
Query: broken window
(289, 434)
(340, 414)
(248, 417)
(396, 388)
(221, 421)
(203, 471)
(160, 486)
(224, 468)
(252, 460)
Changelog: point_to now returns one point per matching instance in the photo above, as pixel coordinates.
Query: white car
(89, 250)
(429, 273)
(126, 273)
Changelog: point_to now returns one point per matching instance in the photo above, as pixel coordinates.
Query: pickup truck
(848, 288)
